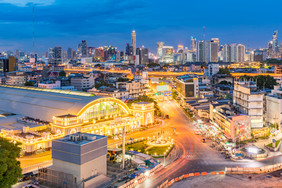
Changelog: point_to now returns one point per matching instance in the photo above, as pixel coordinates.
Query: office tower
(214, 46)
(109, 53)
(69, 53)
(240, 53)
(200, 51)
(180, 49)
(90, 51)
(133, 41)
(122, 55)
(233, 50)
(84, 48)
(79, 50)
(99, 55)
(193, 44)
(160, 45)
(207, 47)
(8, 64)
(270, 49)
(57, 55)
(129, 50)
(167, 54)
(275, 44)
(51, 56)
(118, 56)
(226, 53)
(143, 54)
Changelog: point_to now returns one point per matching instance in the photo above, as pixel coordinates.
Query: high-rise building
(200, 51)
(160, 45)
(207, 47)
(109, 53)
(193, 44)
(270, 49)
(133, 41)
(167, 54)
(143, 54)
(69, 53)
(214, 45)
(8, 64)
(275, 44)
(226, 53)
(58, 55)
(99, 55)
(84, 52)
(233, 52)
(241, 50)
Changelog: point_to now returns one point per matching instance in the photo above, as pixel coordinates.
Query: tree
(224, 71)
(263, 82)
(10, 169)
(29, 83)
(62, 74)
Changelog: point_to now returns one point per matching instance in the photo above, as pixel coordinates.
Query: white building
(83, 82)
(50, 84)
(249, 101)
(16, 78)
(213, 68)
(273, 106)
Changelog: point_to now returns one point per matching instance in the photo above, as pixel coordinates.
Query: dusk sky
(109, 22)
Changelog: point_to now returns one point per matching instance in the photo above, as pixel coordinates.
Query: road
(195, 156)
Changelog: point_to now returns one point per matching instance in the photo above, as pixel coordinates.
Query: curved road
(195, 156)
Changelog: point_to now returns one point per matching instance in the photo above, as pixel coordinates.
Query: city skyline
(104, 23)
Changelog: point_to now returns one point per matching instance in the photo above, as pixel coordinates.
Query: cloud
(24, 3)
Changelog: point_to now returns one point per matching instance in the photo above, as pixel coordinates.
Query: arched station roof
(43, 104)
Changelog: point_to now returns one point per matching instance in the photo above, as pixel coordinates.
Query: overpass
(166, 74)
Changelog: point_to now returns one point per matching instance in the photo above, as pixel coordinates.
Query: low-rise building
(187, 87)
(235, 127)
(79, 160)
(249, 101)
(82, 82)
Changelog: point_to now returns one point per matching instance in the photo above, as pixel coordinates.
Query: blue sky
(109, 22)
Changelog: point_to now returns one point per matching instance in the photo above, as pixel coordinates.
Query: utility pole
(123, 147)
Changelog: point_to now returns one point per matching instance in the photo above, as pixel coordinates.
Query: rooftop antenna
(33, 28)
(204, 35)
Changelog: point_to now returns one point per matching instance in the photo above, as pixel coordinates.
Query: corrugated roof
(41, 104)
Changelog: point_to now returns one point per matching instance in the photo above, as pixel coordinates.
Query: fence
(258, 170)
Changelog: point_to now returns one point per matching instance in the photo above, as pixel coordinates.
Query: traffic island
(274, 146)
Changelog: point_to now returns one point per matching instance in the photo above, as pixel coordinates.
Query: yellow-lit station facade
(64, 114)
(105, 116)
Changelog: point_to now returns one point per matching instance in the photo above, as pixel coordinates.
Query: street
(195, 156)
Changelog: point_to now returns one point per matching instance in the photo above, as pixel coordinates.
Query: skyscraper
(58, 55)
(160, 45)
(69, 53)
(241, 53)
(226, 53)
(133, 41)
(207, 53)
(200, 51)
(233, 48)
(214, 45)
(275, 44)
(193, 44)
(84, 52)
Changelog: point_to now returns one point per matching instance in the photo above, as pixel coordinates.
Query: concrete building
(133, 41)
(82, 82)
(81, 156)
(62, 112)
(187, 87)
(241, 51)
(214, 46)
(235, 127)
(200, 53)
(167, 54)
(16, 78)
(213, 68)
(248, 100)
(273, 107)
(134, 89)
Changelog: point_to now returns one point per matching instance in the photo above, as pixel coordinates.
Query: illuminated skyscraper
(214, 45)
(226, 53)
(275, 44)
(200, 51)
(84, 52)
(241, 50)
(193, 44)
(133, 41)
(160, 45)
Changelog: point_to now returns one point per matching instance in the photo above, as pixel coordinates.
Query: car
(167, 116)
(204, 140)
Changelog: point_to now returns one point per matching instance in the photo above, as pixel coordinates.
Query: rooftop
(80, 138)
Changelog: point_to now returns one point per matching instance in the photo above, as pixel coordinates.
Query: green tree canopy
(62, 73)
(10, 169)
(224, 71)
(29, 83)
(263, 82)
